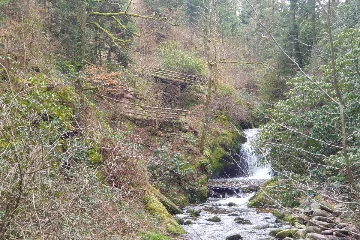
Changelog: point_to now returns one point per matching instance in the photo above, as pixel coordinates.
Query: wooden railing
(140, 111)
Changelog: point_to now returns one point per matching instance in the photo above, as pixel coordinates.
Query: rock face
(318, 222)
(323, 223)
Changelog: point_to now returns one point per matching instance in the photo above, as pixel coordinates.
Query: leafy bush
(154, 236)
(174, 58)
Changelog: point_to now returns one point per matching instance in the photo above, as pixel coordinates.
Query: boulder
(313, 229)
(324, 219)
(327, 232)
(234, 237)
(316, 236)
(214, 219)
(321, 213)
(240, 220)
(326, 208)
(292, 233)
(322, 225)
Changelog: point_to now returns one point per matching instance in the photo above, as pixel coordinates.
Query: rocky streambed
(228, 218)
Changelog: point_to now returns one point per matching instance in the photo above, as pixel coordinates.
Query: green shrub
(154, 236)
(174, 58)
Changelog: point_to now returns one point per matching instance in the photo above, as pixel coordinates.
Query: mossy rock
(194, 213)
(240, 220)
(214, 219)
(274, 232)
(180, 221)
(156, 208)
(188, 222)
(234, 237)
(290, 233)
(261, 198)
(286, 217)
(221, 163)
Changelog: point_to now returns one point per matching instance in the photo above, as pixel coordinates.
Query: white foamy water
(255, 169)
(234, 206)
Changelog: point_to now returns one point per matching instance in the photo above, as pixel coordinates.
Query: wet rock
(234, 237)
(240, 220)
(188, 222)
(274, 232)
(233, 215)
(180, 221)
(231, 204)
(292, 233)
(194, 213)
(214, 219)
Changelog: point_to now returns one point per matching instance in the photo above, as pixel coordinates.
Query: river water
(233, 206)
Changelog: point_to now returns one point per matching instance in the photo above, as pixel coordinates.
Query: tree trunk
(82, 21)
(349, 173)
(294, 33)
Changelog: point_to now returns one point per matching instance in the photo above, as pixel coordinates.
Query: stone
(342, 231)
(339, 234)
(337, 213)
(323, 225)
(324, 219)
(341, 225)
(293, 233)
(316, 236)
(326, 208)
(234, 237)
(315, 206)
(313, 229)
(188, 222)
(240, 220)
(274, 232)
(214, 219)
(302, 233)
(327, 232)
(322, 213)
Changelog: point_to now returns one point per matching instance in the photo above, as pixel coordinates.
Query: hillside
(114, 114)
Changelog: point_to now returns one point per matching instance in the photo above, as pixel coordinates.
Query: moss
(194, 213)
(94, 156)
(154, 236)
(291, 233)
(156, 208)
(223, 143)
(292, 219)
(214, 219)
(261, 199)
(274, 232)
(240, 220)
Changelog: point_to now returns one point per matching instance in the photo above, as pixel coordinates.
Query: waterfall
(248, 163)
(228, 198)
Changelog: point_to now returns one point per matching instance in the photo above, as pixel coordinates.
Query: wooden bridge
(124, 105)
(151, 112)
(174, 77)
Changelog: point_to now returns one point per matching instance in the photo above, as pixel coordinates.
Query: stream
(228, 201)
